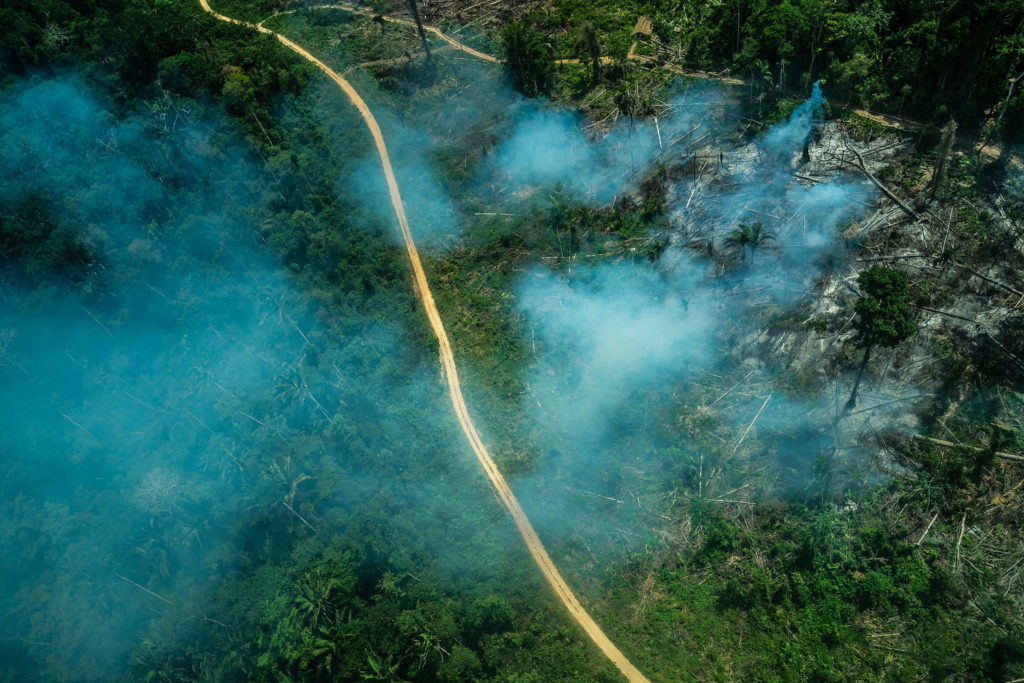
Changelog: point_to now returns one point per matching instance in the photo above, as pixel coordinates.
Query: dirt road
(404, 22)
(530, 537)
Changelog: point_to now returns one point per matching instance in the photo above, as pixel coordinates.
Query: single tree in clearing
(883, 315)
(748, 238)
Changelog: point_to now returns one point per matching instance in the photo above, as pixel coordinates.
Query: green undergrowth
(828, 594)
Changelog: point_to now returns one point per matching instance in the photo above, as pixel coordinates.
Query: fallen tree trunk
(950, 444)
(881, 186)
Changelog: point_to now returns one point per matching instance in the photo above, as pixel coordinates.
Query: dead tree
(419, 26)
(942, 158)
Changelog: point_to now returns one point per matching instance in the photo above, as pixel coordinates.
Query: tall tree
(588, 39)
(760, 76)
(883, 315)
(1013, 50)
(748, 238)
(529, 58)
(419, 26)
(942, 157)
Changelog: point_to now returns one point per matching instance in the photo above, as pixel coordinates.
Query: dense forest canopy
(665, 254)
(921, 59)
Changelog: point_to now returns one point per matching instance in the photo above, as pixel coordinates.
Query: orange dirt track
(530, 537)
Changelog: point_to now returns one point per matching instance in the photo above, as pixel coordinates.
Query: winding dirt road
(530, 537)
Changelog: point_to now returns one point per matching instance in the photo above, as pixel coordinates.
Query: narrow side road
(530, 537)
(404, 22)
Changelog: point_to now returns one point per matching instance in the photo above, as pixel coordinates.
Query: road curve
(394, 20)
(530, 537)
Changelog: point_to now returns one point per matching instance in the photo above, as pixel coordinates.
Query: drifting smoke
(620, 344)
(616, 341)
(175, 414)
(109, 393)
(1016, 187)
(548, 147)
(427, 201)
(612, 328)
(782, 140)
(156, 393)
(428, 147)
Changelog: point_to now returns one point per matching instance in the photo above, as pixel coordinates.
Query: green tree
(238, 90)
(778, 26)
(588, 40)
(463, 665)
(1012, 51)
(747, 239)
(307, 625)
(883, 315)
(529, 58)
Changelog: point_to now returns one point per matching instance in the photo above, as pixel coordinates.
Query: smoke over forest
(618, 340)
(174, 396)
(141, 401)
(229, 449)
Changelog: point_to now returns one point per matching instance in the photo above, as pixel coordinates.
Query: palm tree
(320, 598)
(748, 238)
(760, 75)
(382, 668)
